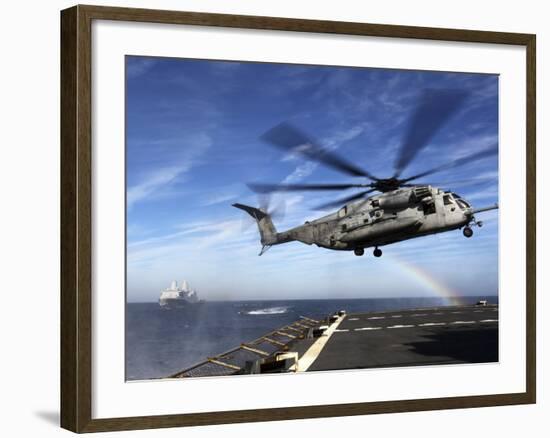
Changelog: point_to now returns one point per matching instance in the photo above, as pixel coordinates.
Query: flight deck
(429, 336)
(412, 337)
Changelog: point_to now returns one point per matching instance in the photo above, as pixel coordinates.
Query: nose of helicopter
(468, 214)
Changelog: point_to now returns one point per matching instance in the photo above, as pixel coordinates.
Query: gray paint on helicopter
(403, 210)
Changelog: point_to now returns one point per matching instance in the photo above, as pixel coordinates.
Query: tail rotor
(268, 232)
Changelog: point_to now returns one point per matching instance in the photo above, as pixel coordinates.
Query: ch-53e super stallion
(403, 209)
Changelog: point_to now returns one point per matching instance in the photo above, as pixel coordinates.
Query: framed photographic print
(269, 218)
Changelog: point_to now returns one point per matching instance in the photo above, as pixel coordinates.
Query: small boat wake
(267, 311)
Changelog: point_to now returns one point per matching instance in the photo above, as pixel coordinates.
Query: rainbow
(424, 278)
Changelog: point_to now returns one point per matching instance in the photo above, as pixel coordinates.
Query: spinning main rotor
(434, 109)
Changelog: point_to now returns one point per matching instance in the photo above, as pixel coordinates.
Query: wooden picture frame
(76, 217)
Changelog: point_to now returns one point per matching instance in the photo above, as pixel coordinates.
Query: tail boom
(268, 232)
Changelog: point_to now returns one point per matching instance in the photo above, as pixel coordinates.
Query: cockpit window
(456, 196)
(447, 200)
(462, 204)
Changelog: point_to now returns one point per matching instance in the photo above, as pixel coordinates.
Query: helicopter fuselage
(380, 220)
(404, 209)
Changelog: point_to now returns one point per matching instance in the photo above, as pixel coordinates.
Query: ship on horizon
(179, 297)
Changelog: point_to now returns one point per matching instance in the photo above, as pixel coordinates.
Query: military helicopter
(402, 210)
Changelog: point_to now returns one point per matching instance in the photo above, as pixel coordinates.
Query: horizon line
(325, 299)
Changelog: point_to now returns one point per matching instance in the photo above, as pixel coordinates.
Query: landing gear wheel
(468, 232)
(377, 252)
(359, 251)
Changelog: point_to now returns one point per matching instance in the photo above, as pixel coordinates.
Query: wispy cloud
(193, 130)
(137, 66)
(218, 199)
(188, 240)
(484, 194)
(154, 182)
(157, 179)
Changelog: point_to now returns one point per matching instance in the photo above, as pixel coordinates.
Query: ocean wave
(267, 311)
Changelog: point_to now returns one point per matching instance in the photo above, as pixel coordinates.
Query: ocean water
(160, 342)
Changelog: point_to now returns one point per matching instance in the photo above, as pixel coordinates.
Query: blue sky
(192, 142)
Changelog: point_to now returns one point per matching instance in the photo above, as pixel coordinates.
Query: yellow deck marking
(314, 321)
(285, 334)
(313, 352)
(223, 364)
(273, 341)
(293, 329)
(254, 350)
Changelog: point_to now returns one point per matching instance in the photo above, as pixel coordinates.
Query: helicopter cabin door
(434, 213)
(440, 211)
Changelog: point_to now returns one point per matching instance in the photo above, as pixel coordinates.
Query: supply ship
(176, 297)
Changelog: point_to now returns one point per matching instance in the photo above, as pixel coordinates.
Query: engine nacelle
(394, 201)
(372, 232)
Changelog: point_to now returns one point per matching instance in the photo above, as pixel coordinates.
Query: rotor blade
(268, 188)
(289, 138)
(493, 150)
(434, 109)
(343, 201)
(265, 201)
(458, 183)
(277, 212)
